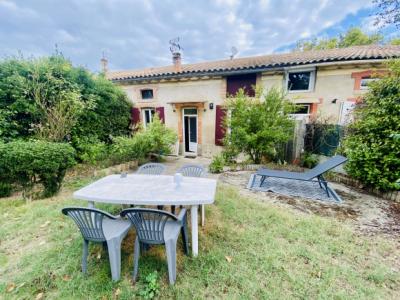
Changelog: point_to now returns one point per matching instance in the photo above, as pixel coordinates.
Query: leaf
(39, 296)
(228, 258)
(10, 287)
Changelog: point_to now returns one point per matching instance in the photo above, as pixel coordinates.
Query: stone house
(190, 97)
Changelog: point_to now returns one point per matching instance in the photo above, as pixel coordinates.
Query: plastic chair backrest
(151, 169)
(191, 171)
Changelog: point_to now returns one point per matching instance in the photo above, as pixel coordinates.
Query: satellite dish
(234, 51)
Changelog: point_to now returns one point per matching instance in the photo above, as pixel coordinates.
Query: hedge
(27, 163)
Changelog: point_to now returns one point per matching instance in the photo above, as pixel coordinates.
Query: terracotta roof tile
(265, 61)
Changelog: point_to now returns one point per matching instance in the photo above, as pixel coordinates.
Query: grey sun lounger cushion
(315, 173)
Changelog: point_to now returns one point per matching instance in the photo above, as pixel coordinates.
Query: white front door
(190, 130)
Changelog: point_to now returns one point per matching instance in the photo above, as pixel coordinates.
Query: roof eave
(238, 71)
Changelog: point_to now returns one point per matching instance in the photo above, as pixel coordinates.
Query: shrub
(217, 164)
(90, 150)
(259, 125)
(130, 148)
(308, 160)
(32, 162)
(371, 146)
(53, 99)
(161, 137)
(5, 189)
(155, 139)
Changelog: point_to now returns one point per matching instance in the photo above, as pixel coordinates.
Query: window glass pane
(190, 111)
(147, 94)
(148, 115)
(302, 109)
(299, 81)
(365, 81)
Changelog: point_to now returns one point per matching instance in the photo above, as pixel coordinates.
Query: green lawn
(248, 249)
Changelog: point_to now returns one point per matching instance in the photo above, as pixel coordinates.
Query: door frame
(184, 129)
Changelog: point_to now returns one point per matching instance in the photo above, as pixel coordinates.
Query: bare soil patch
(367, 213)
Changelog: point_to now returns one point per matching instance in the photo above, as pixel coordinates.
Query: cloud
(135, 33)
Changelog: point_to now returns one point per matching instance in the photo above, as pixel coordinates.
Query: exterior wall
(174, 96)
(333, 82)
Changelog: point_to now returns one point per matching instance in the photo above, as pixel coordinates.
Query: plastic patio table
(135, 189)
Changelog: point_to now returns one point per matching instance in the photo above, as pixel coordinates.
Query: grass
(248, 249)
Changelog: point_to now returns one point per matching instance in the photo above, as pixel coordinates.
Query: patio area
(254, 244)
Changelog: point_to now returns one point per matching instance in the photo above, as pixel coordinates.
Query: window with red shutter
(161, 115)
(247, 82)
(220, 113)
(135, 116)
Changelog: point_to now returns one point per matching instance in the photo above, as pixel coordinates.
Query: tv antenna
(174, 45)
(234, 51)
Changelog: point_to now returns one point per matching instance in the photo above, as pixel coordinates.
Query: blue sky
(135, 34)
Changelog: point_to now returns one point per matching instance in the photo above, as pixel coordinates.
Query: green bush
(155, 139)
(35, 162)
(50, 98)
(217, 164)
(90, 150)
(258, 125)
(5, 189)
(308, 160)
(370, 145)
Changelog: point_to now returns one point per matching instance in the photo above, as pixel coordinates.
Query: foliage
(152, 288)
(308, 160)
(395, 42)
(217, 164)
(29, 163)
(161, 138)
(5, 189)
(258, 125)
(373, 152)
(90, 150)
(55, 100)
(155, 139)
(388, 12)
(353, 37)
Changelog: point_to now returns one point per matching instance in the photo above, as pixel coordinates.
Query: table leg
(203, 215)
(195, 230)
(90, 204)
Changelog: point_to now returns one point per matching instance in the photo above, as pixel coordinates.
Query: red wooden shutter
(135, 116)
(160, 111)
(220, 114)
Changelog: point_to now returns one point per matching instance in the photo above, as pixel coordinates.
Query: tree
(353, 37)
(50, 98)
(258, 125)
(371, 144)
(388, 12)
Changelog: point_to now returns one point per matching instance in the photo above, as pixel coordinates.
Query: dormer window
(300, 80)
(147, 94)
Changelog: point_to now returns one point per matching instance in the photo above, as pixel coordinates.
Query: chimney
(104, 64)
(177, 61)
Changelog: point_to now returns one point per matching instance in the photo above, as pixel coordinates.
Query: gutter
(249, 70)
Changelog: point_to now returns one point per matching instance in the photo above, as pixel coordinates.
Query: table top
(149, 190)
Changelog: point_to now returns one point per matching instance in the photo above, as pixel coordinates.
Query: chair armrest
(182, 215)
(110, 215)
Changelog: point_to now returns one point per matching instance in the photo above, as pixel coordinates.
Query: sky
(135, 34)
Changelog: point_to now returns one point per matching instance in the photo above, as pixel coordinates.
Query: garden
(56, 136)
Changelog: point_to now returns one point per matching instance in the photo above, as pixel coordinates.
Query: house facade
(190, 98)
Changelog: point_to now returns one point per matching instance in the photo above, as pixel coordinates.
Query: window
(147, 94)
(247, 82)
(365, 81)
(148, 114)
(302, 109)
(300, 81)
